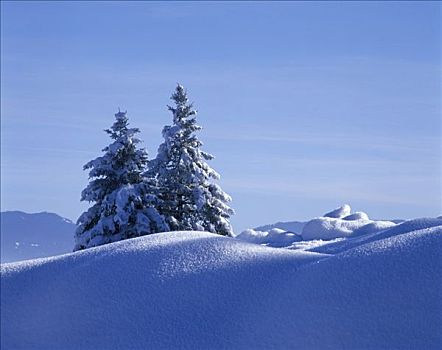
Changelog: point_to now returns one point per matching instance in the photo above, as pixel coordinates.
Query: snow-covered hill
(28, 236)
(196, 290)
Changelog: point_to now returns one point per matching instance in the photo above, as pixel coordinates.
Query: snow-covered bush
(124, 201)
(340, 223)
(190, 200)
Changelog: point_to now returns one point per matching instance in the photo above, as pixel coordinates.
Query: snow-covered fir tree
(189, 198)
(124, 200)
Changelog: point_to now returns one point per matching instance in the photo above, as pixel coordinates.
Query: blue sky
(306, 106)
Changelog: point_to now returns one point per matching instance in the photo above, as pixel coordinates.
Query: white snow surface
(339, 223)
(197, 290)
(340, 212)
(359, 215)
(274, 238)
(330, 228)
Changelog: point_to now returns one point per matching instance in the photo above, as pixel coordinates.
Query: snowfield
(197, 290)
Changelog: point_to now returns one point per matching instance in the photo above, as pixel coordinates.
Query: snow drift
(196, 290)
(274, 238)
(339, 223)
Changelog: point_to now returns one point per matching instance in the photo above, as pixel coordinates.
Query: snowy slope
(196, 290)
(28, 236)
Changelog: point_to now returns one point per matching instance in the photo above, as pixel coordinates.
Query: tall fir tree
(190, 200)
(124, 200)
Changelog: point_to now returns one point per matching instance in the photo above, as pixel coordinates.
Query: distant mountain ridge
(29, 236)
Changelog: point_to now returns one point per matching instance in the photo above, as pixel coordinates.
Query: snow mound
(280, 238)
(169, 290)
(412, 225)
(329, 228)
(381, 295)
(340, 212)
(196, 290)
(252, 236)
(376, 231)
(339, 223)
(359, 215)
(276, 237)
(292, 226)
(373, 227)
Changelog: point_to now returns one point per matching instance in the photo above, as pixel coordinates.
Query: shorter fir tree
(190, 200)
(124, 200)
